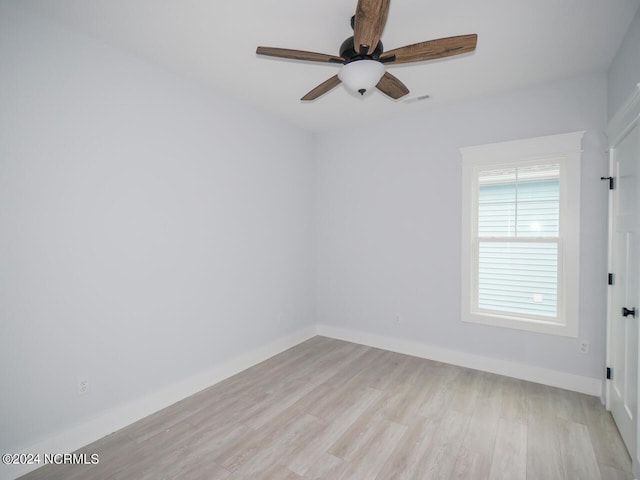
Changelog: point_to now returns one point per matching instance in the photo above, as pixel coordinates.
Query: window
(521, 234)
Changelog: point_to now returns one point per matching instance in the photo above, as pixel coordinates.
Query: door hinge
(609, 373)
(612, 182)
(610, 279)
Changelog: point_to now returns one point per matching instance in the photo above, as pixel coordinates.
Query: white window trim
(564, 149)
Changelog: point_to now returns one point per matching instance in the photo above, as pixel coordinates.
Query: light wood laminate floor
(328, 409)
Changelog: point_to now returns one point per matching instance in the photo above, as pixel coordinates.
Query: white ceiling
(520, 43)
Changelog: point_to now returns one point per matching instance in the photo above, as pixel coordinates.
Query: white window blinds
(517, 247)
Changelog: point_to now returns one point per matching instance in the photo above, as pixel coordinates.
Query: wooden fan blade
(321, 89)
(298, 55)
(432, 49)
(391, 86)
(370, 18)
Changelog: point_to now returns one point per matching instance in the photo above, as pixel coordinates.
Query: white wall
(388, 223)
(149, 229)
(624, 73)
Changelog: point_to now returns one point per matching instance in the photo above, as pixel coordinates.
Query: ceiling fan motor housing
(349, 53)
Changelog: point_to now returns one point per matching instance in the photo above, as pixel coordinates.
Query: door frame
(625, 119)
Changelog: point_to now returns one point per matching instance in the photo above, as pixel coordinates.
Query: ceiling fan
(364, 58)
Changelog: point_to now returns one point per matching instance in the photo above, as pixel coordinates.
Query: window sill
(529, 325)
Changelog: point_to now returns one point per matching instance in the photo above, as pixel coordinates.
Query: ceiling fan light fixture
(363, 67)
(361, 75)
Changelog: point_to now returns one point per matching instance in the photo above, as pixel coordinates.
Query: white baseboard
(108, 422)
(554, 378)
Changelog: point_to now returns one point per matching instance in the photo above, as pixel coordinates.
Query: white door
(624, 301)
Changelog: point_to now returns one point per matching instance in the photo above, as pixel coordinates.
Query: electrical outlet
(583, 346)
(83, 385)
(280, 318)
(397, 319)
